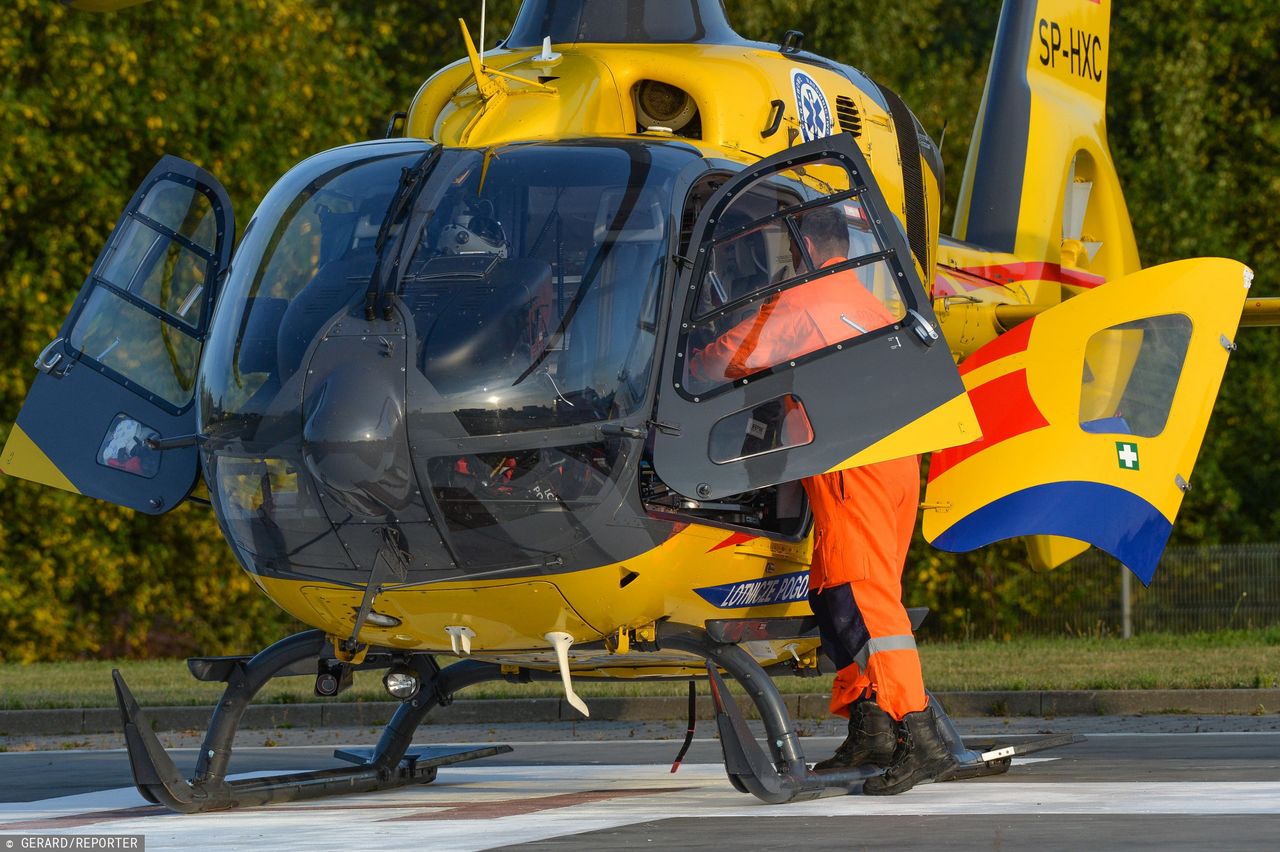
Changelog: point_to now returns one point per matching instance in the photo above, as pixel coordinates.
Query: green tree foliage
(246, 88)
(88, 104)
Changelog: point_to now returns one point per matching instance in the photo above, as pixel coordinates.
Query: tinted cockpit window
(529, 275)
(308, 251)
(533, 285)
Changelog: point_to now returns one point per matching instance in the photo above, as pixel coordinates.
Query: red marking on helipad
(441, 810)
(88, 818)
(520, 807)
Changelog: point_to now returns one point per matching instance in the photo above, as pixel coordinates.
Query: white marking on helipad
(819, 740)
(482, 808)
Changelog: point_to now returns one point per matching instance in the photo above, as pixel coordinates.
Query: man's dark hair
(826, 227)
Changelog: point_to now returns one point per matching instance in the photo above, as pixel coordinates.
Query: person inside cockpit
(473, 229)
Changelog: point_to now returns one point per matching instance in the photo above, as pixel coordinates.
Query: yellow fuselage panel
(590, 92)
(23, 458)
(513, 615)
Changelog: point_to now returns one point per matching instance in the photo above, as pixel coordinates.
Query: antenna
(482, 16)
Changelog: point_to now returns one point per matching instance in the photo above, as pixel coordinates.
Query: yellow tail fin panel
(1039, 181)
(1092, 414)
(1049, 551)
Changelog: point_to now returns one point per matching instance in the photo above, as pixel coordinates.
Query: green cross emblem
(1127, 455)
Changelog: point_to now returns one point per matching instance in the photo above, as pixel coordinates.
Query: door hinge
(665, 428)
(174, 443)
(617, 430)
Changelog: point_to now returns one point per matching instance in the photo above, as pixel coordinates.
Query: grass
(1229, 659)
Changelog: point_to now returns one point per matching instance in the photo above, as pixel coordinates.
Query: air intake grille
(847, 113)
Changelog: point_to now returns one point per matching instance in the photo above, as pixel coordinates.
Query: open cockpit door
(801, 338)
(122, 371)
(1092, 414)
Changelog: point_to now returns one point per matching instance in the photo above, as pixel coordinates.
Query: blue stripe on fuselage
(1117, 521)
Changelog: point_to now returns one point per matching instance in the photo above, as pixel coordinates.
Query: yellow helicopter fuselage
(592, 91)
(1039, 199)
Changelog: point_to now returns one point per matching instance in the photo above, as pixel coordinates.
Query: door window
(125, 448)
(1131, 372)
(162, 272)
(184, 210)
(138, 346)
(795, 266)
(774, 425)
(146, 311)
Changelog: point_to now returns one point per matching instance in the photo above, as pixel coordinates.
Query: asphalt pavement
(1170, 781)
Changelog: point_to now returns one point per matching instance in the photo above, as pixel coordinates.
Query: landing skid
(387, 765)
(783, 775)
(777, 775)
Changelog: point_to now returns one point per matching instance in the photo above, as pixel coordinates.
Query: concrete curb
(100, 720)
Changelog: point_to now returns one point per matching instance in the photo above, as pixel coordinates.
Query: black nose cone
(355, 442)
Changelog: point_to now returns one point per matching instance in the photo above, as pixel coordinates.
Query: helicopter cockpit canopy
(527, 276)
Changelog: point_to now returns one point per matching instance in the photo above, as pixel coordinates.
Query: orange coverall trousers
(863, 519)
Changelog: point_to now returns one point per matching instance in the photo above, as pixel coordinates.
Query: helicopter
(438, 388)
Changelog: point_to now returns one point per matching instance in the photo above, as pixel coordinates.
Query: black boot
(872, 738)
(922, 755)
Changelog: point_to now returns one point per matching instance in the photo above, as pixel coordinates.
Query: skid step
(996, 752)
(980, 759)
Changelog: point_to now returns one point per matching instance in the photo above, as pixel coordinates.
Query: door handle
(48, 360)
(776, 109)
(923, 328)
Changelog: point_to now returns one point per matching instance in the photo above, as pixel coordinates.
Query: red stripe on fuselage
(1005, 410)
(947, 277)
(733, 539)
(1011, 342)
(1008, 273)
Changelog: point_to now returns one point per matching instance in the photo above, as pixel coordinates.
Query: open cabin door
(1092, 414)
(801, 340)
(122, 370)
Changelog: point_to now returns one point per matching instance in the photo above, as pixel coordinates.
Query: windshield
(532, 282)
(528, 277)
(303, 256)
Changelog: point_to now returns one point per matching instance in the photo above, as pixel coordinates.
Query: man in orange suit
(863, 520)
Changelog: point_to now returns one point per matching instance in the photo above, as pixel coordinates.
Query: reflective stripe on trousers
(884, 643)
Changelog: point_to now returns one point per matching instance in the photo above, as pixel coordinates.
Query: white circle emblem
(811, 107)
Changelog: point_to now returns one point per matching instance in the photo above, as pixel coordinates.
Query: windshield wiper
(412, 179)
(409, 178)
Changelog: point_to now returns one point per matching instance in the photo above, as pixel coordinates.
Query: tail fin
(1039, 180)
